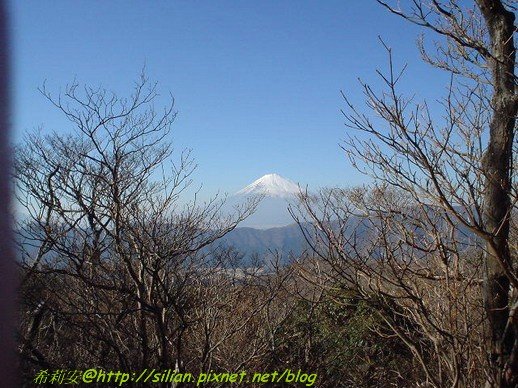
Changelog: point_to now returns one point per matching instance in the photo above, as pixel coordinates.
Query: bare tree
(109, 254)
(441, 186)
(241, 313)
(417, 272)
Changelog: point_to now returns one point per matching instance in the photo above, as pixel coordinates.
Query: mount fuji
(271, 227)
(271, 185)
(277, 194)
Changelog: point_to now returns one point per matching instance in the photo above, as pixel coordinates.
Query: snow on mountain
(278, 193)
(271, 185)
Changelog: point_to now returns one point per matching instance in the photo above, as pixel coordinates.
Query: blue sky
(257, 83)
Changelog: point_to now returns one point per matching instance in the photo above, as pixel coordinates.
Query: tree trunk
(497, 162)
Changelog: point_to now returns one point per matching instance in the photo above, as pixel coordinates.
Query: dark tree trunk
(497, 165)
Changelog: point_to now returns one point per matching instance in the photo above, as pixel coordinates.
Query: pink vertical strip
(8, 278)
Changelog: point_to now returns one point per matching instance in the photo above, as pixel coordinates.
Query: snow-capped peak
(272, 185)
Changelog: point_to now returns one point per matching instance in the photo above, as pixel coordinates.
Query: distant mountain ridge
(286, 240)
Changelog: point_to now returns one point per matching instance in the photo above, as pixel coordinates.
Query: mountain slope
(286, 240)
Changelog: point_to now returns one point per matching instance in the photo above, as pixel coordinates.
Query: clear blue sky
(257, 83)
